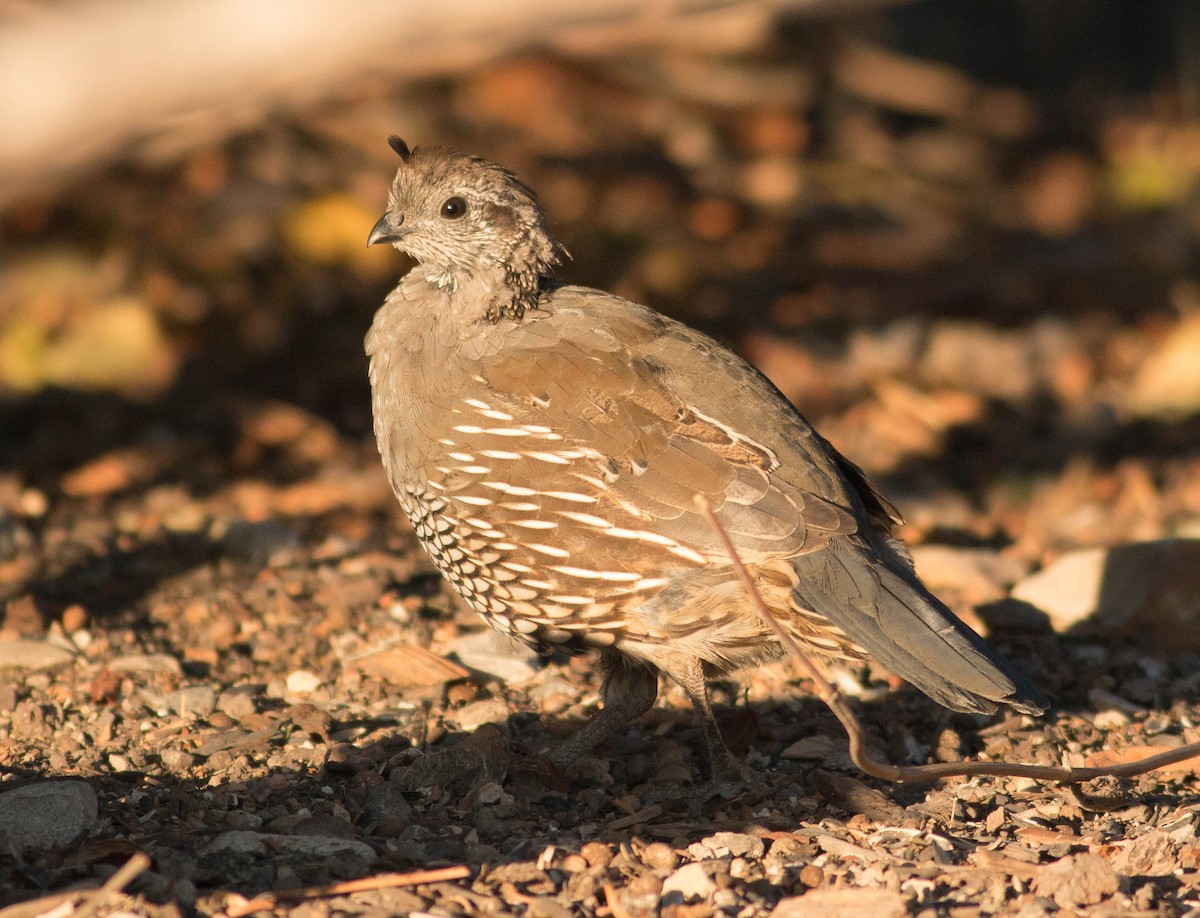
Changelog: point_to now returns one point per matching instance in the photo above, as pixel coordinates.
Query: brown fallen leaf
(1078, 879)
(1152, 855)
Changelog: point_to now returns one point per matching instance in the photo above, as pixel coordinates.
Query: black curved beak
(386, 231)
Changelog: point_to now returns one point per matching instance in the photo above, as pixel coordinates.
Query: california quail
(548, 441)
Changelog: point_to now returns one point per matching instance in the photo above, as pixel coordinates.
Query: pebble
(32, 655)
(48, 815)
(688, 882)
(659, 856)
(353, 857)
(194, 701)
(237, 703)
(388, 810)
(809, 747)
(149, 663)
(241, 820)
(488, 652)
(597, 854)
(726, 844)
(267, 543)
(1110, 719)
(301, 682)
(474, 715)
(176, 760)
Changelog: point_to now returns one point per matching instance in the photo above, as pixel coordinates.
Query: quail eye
(453, 208)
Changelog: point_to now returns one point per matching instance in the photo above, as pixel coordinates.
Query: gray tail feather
(879, 603)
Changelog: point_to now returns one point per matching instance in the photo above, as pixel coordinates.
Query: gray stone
(492, 653)
(727, 844)
(237, 702)
(194, 701)
(471, 717)
(386, 805)
(265, 543)
(148, 663)
(353, 857)
(176, 760)
(48, 816)
(32, 655)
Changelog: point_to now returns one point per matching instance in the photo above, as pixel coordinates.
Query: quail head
(547, 443)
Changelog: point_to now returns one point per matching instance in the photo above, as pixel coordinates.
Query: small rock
(809, 747)
(322, 825)
(239, 842)
(493, 654)
(1110, 719)
(545, 907)
(597, 854)
(176, 760)
(302, 682)
(352, 857)
(726, 844)
(47, 816)
(194, 701)
(241, 820)
(237, 703)
(978, 357)
(146, 663)
(489, 794)
(266, 543)
(687, 883)
(659, 856)
(812, 876)
(473, 716)
(387, 809)
(32, 655)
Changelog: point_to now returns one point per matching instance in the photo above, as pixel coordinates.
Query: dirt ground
(221, 648)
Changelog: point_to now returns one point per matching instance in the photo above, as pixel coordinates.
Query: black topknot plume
(401, 148)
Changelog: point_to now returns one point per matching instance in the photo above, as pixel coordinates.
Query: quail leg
(628, 690)
(720, 766)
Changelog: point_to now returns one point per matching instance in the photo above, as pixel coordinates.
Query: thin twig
(859, 753)
(238, 909)
(126, 874)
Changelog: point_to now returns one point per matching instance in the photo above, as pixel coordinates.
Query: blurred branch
(84, 83)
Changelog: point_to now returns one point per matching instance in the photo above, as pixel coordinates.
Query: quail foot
(547, 443)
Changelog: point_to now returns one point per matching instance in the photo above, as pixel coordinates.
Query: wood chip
(410, 666)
